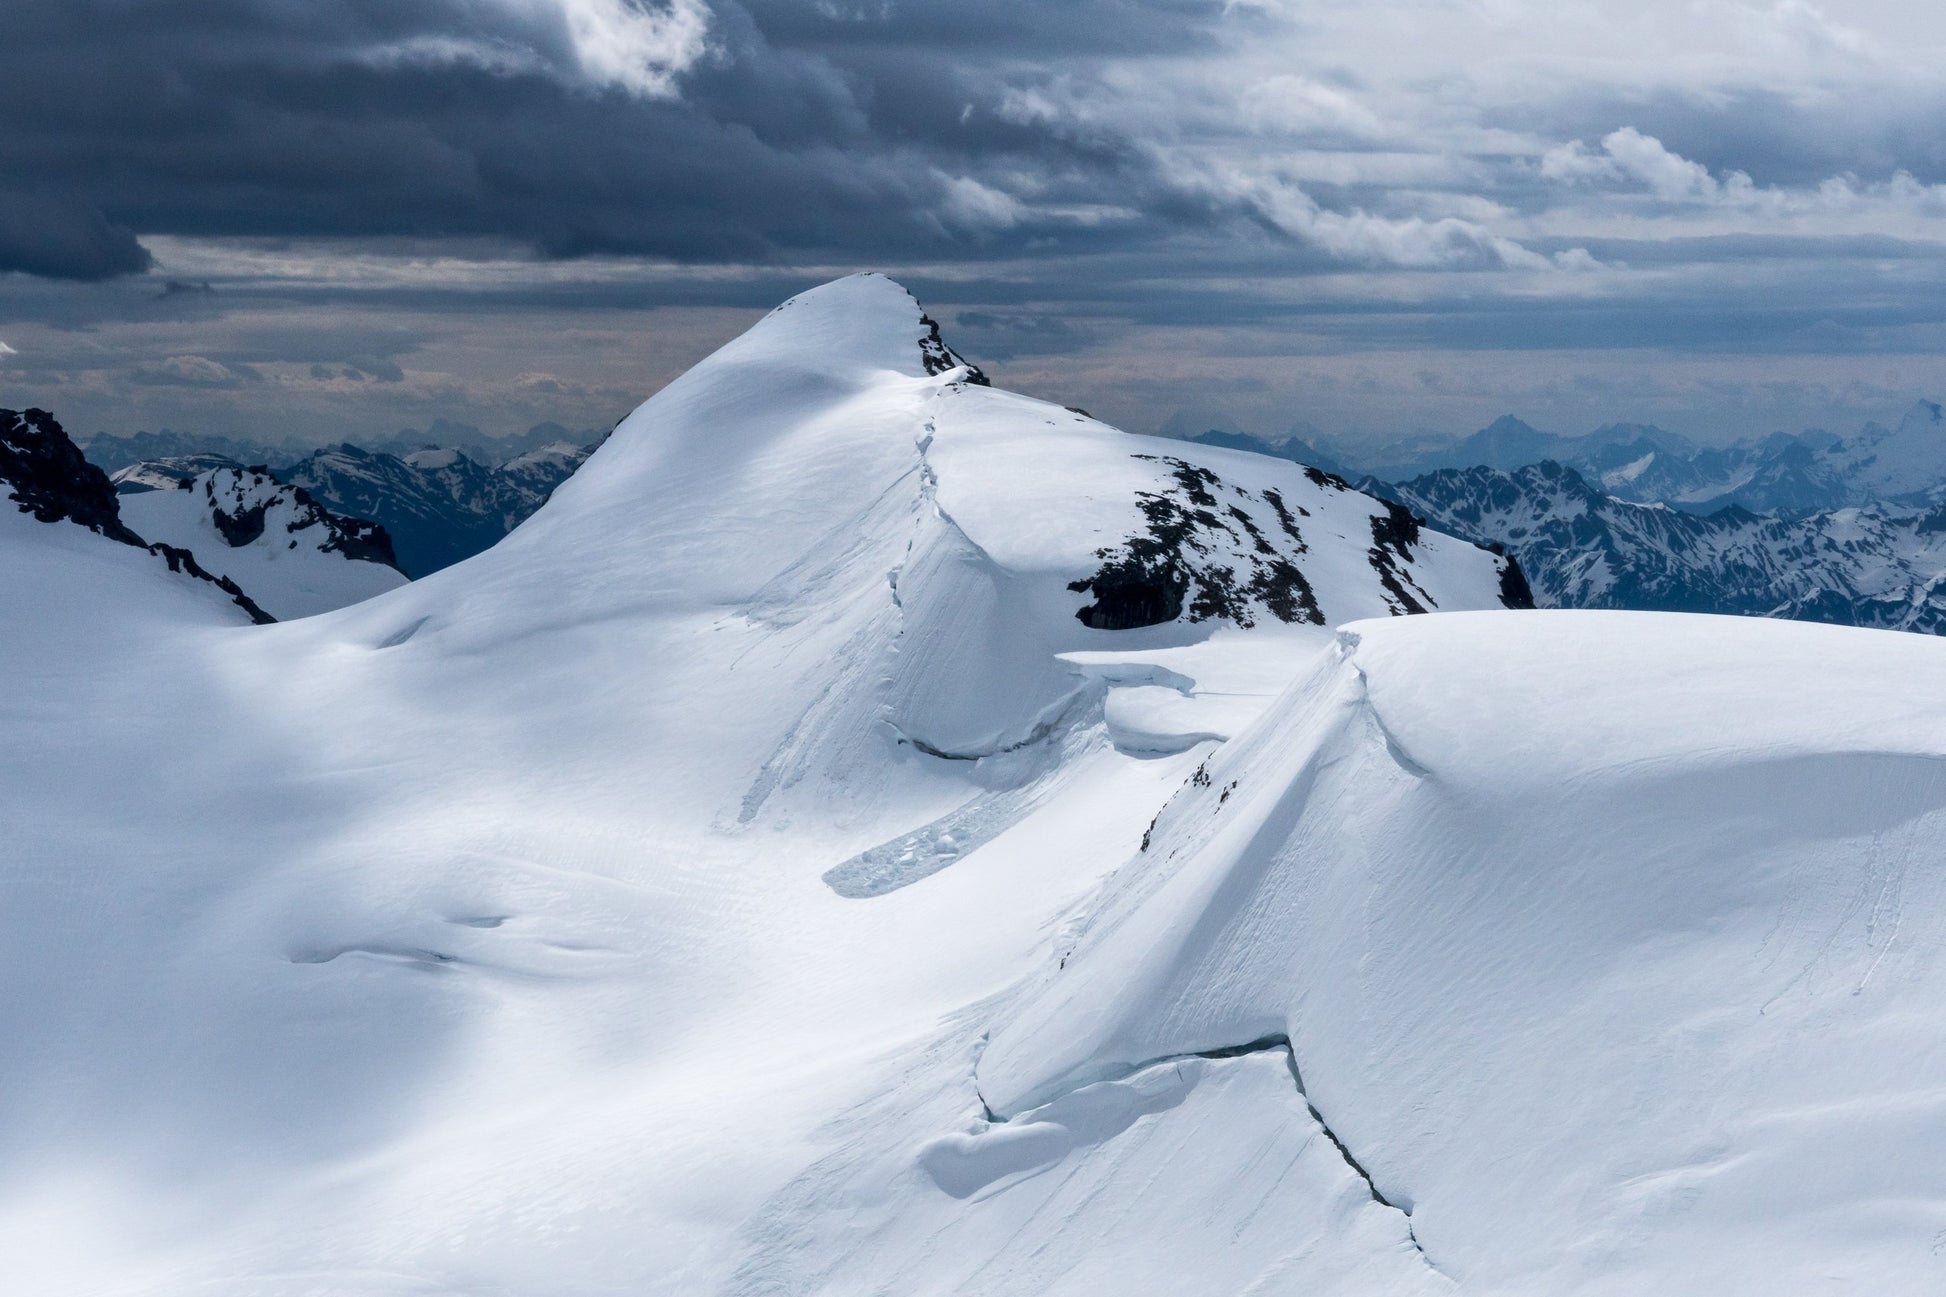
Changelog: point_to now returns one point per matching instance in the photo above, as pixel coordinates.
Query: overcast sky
(339, 218)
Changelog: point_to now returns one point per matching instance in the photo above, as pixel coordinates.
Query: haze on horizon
(1721, 216)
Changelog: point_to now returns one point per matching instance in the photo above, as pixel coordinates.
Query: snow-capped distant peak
(1629, 471)
(166, 474)
(294, 556)
(434, 457)
(553, 457)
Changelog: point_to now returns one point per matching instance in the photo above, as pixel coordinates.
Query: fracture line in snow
(1275, 1043)
(1348, 645)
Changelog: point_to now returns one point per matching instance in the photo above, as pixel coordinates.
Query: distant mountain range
(1789, 474)
(232, 535)
(439, 504)
(1581, 548)
(113, 452)
(1806, 526)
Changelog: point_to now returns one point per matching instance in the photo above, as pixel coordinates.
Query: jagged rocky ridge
(938, 358)
(240, 499)
(48, 477)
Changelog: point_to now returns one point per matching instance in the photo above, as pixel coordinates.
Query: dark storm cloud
(381, 211)
(802, 130)
(61, 235)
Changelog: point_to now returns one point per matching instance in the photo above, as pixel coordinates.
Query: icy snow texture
(496, 935)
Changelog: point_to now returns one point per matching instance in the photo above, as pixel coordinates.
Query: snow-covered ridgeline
(762, 872)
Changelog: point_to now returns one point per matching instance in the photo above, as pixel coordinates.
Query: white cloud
(967, 204)
(636, 45)
(1802, 28)
(1361, 237)
(1667, 175)
(447, 51)
(1627, 155)
(639, 46)
(1296, 105)
(1575, 161)
(1899, 206)
(5, 350)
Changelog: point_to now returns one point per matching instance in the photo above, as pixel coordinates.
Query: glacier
(760, 873)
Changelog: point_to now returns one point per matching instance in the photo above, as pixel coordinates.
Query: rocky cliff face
(47, 476)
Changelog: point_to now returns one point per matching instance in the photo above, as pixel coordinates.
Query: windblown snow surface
(753, 877)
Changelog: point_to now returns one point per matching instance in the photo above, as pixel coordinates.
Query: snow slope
(735, 882)
(1606, 997)
(293, 557)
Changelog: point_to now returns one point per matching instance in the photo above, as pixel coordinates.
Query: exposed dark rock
(1397, 530)
(181, 560)
(241, 527)
(1131, 592)
(47, 476)
(356, 538)
(1321, 478)
(1204, 556)
(938, 357)
(1514, 590)
(1394, 533)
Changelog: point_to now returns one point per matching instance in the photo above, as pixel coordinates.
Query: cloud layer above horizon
(357, 214)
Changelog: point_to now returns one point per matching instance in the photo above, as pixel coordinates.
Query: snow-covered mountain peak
(166, 474)
(1902, 462)
(295, 557)
(843, 419)
(949, 569)
(864, 321)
